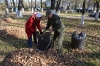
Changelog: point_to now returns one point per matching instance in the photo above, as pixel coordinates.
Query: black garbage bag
(44, 41)
(78, 40)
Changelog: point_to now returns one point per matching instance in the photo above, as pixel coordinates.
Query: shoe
(59, 51)
(36, 45)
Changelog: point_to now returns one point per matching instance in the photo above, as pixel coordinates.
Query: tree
(75, 3)
(35, 5)
(83, 11)
(32, 5)
(97, 11)
(6, 3)
(57, 6)
(96, 5)
(28, 4)
(68, 6)
(13, 3)
(20, 6)
(7, 10)
(41, 6)
(16, 3)
(53, 6)
(41, 3)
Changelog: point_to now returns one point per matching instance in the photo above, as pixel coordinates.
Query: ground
(13, 44)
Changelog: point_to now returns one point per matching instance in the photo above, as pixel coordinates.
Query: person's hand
(51, 31)
(44, 32)
(41, 32)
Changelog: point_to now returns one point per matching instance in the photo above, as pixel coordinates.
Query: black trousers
(56, 34)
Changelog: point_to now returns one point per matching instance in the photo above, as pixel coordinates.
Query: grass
(92, 55)
(92, 43)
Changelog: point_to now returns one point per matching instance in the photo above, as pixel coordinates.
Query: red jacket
(31, 25)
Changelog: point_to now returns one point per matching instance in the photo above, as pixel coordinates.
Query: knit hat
(48, 12)
(37, 14)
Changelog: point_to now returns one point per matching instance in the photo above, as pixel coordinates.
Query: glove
(37, 32)
(41, 32)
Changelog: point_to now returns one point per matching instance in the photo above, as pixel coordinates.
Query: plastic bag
(78, 40)
(44, 41)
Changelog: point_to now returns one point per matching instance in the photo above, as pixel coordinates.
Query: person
(57, 26)
(30, 27)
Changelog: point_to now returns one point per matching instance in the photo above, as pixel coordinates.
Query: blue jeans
(30, 40)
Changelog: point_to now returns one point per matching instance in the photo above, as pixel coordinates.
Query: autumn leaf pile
(11, 32)
(35, 57)
(9, 20)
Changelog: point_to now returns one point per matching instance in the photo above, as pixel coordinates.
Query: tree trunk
(20, 8)
(68, 6)
(7, 10)
(16, 3)
(31, 3)
(6, 3)
(75, 7)
(83, 11)
(53, 6)
(41, 3)
(97, 11)
(28, 4)
(57, 6)
(94, 6)
(13, 3)
(14, 7)
(41, 6)
(23, 6)
(20, 5)
(35, 6)
(32, 6)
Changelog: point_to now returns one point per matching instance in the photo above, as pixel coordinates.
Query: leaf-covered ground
(13, 45)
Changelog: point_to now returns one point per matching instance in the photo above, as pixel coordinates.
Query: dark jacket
(54, 22)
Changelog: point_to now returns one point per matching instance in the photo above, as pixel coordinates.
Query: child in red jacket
(31, 25)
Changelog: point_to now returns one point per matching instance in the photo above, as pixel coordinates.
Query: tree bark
(83, 11)
(14, 7)
(53, 6)
(20, 8)
(41, 3)
(13, 3)
(57, 6)
(68, 6)
(41, 6)
(94, 6)
(35, 6)
(6, 2)
(7, 10)
(97, 11)
(32, 6)
(16, 3)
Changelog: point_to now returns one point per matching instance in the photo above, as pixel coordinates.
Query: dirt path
(72, 16)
